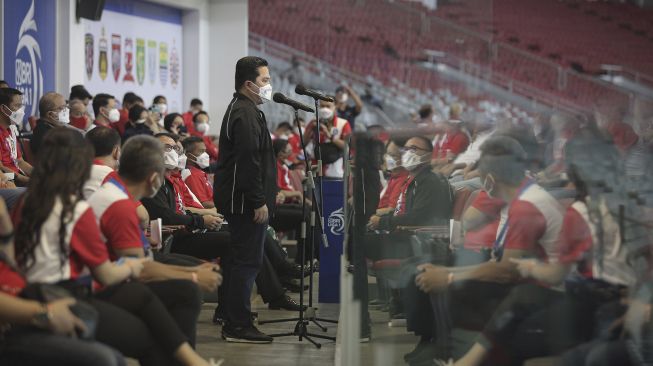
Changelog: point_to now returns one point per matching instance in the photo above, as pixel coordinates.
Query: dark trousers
(183, 300)
(598, 353)
(289, 217)
(241, 268)
(32, 347)
(208, 246)
(469, 304)
(135, 322)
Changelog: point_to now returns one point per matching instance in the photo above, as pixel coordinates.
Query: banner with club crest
(136, 47)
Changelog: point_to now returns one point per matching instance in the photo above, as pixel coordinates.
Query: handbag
(46, 293)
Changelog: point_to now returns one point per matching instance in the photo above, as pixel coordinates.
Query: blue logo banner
(29, 28)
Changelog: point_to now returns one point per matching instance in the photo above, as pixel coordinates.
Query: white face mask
(182, 161)
(17, 115)
(390, 162)
(203, 160)
(162, 108)
(160, 122)
(325, 113)
(141, 121)
(344, 98)
(64, 116)
(411, 161)
(114, 115)
(203, 127)
(264, 92)
(171, 159)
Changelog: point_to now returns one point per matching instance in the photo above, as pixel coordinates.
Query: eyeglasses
(169, 148)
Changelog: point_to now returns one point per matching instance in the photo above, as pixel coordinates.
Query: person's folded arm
(158, 207)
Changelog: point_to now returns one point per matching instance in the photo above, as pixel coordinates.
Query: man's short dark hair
(196, 101)
(199, 114)
(188, 142)
(79, 92)
(504, 158)
(7, 94)
(101, 100)
(399, 141)
(158, 99)
(141, 156)
(135, 112)
(103, 139)
(168, 134)
(130, 98)
(247, 70)
(279, 145)
(284, 125)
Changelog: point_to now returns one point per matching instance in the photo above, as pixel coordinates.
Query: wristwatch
(43, 318)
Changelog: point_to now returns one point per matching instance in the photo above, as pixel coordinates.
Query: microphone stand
(308, 315)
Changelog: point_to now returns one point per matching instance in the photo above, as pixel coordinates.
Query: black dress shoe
(244, 335)
(294, 270)
(285, 303)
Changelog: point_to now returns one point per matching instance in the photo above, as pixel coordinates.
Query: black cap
(79, 92)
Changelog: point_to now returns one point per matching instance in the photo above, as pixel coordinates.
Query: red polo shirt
(483, 237)
(9, 151)
(198, 182)
(122, 122)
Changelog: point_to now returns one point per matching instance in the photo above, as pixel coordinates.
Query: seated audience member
(397, 180)
(333, 133)
(426, 199)
(188, 198)
(78, 115)
(454, 142)
(104, 108)
(283, 131)
(47, 327)
(203, 130)
(196, 106)
(131, 317)
(158, 110)
(345, 110)
(114, 205)
(282, 152)
(589, 159)
(129, 100)
(168, 205)
(529, 227)
(173, 123)
(138, 123)
(198, 160)
(106, 144)
(79, 92)
(13, 111)
(464, 162)
(54, 112)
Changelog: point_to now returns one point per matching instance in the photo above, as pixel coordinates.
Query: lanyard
(499, 243)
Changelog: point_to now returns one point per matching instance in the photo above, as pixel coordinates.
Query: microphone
(280, 98)
(315, 94)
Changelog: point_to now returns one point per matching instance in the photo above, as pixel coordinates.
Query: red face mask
(79, 122)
